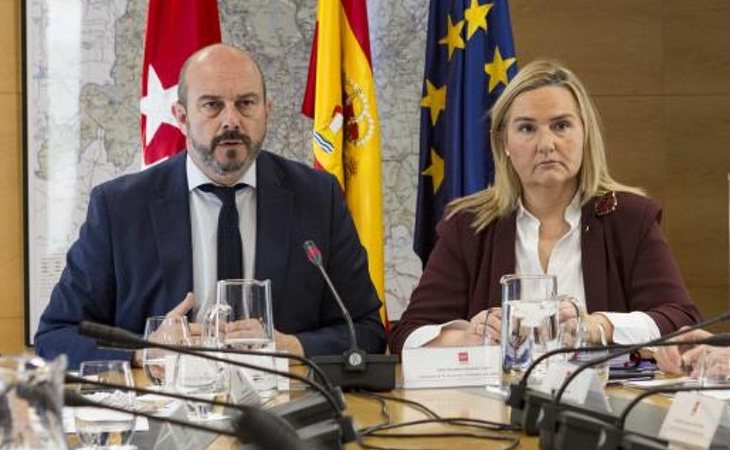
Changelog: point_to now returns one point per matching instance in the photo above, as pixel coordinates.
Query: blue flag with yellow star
(470, 58)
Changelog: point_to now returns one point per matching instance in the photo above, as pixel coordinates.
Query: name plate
(585, 389)
(436, 367)
(695, 421)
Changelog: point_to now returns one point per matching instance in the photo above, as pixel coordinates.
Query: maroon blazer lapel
(503, 256)
(593, 248)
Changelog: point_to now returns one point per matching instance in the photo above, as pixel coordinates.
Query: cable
(376, 431)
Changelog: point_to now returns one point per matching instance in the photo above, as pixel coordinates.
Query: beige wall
(660, 73)
(11, 213)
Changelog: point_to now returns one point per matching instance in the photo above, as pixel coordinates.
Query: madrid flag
(340, 97)
(175, 30)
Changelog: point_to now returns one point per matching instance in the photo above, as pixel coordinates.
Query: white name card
(693, 421)
(585, 389)
(435, 367)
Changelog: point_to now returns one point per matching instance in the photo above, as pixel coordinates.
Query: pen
(621, 382)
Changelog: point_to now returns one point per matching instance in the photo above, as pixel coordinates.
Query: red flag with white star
(175, 30)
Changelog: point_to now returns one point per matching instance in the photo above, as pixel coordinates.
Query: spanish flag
(340, 98)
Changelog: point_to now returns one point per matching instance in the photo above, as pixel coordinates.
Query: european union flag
(470, 58)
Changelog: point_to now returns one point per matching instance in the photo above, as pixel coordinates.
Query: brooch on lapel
(606, 204)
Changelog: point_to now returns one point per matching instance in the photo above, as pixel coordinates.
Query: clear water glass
(714, 367)
(583, 333)
(201, 378)
(98, 427)
(242, 318)
(159, 364)
(529, 320)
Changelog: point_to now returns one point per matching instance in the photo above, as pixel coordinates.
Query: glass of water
(159, 364)
(584, 333)
(242, 319)
(529, 320)
(98, 427)
(714, 367)
(204, 379)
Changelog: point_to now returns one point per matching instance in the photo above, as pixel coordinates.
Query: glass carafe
(31, 403)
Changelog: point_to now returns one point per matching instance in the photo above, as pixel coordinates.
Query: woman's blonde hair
(500, 199)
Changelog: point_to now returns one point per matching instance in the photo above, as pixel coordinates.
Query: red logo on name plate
(463, 357)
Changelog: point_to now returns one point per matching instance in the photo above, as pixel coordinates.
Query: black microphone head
(312, 251)
(72, 398)
(110, 336)
(718, 340)
(266, 431)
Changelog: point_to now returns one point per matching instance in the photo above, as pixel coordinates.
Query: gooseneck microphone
(255, 425)
(354, 369)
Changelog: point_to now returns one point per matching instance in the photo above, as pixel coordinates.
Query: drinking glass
(159, 364)
(492, 346)
(201, 378)
(583, 333)
(103, 428)
(529, 320)
(714, 367)
(242, 319)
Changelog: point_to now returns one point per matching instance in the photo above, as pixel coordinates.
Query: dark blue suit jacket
(133, 259)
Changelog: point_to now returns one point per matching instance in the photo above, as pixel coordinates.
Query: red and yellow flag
(340, 97)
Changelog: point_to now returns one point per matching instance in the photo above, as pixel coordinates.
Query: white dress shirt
(204, 210)
(565, 263)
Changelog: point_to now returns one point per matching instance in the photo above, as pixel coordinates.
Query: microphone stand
(354, 369)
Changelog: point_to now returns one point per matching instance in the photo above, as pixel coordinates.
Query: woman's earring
(507, 152)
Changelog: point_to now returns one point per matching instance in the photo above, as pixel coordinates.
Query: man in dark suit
(149, 239)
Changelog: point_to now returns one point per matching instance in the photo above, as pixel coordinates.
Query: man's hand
(245, 329)
(180, 310)
(288, 343)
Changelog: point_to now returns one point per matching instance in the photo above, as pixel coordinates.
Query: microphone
(299, 412)
(265, 430)
(354, 369)
(549, 424)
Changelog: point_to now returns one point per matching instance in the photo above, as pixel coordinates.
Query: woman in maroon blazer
(553, 208)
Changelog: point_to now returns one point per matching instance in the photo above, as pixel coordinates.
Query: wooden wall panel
(698, 160)
(615, 47)
(635, 153)
(697, 39)
(9, 40)
(11, 225)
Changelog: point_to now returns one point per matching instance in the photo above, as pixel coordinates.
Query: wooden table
(473, 403)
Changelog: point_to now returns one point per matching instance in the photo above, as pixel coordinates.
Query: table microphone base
(376, 373)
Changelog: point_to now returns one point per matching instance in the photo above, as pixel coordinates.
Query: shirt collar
(572, 212)
(196, 177)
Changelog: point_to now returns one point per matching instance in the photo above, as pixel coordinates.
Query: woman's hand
(487, 323)
(676, 359)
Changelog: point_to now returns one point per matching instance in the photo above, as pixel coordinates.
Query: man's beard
(231, 164)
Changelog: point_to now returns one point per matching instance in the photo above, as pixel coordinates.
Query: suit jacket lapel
(170, 213)
(593, 248)
(274, 205)
(503, 262)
